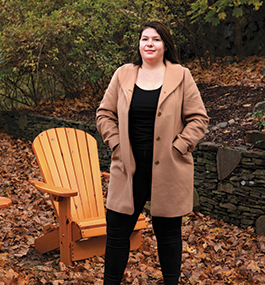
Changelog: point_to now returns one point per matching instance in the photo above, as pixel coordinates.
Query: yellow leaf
(217, 230)
(190, 249)
(222, 15)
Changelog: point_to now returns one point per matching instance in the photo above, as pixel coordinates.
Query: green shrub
(54, 48)
(260, 115)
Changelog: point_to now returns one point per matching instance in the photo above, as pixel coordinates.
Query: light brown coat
(181, 121)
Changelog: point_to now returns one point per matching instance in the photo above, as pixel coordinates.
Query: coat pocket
(116, 162)
(181, 158)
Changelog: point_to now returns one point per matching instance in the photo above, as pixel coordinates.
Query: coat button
(156, 162)
(159, 114)
(158, 138)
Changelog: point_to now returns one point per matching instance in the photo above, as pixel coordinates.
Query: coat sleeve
(106, 114)
(194, 116)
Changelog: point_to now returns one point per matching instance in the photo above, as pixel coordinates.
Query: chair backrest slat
(95, 169)
(46, 143)
(88, 177)
(62, 136)
(42, 161)
(69, 158)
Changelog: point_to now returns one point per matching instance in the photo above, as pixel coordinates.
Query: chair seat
(88, 228)
(97, 226)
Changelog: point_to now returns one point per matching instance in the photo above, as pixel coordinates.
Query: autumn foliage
(213, 251)
(247, 72)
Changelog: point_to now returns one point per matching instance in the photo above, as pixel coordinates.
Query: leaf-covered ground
(213, 251)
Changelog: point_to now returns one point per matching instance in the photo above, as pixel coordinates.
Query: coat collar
(173, 77)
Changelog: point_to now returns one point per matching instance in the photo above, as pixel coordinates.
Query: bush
(67, 48)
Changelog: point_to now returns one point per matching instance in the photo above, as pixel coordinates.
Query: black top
(142, 117)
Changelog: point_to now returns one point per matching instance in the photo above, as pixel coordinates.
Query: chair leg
(47, 242)
(88, 248)
(65, 237)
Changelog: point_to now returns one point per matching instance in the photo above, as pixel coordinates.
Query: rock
(259, 172)
(222, 125)
(256, 138)
(228, 206)
(227, 161)
(263, 71)
(259, 106)
(260, 225)
(227, 188)
(93, 128)
(244, 208)
(248, 115)
(229, 60)
(23, 121)
(231, 122)
(246, 222)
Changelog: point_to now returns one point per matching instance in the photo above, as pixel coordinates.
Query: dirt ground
(225, 103)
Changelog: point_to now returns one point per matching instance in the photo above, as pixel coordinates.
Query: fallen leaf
(253, 266)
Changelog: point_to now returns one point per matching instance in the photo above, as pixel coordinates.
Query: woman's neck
(150, 77)
(153, 66)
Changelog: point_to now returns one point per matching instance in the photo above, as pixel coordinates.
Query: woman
(152, 117)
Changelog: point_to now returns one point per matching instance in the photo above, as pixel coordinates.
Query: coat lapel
(173, 77)
(127, 80)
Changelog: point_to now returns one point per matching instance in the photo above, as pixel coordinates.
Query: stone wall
(230, 183)
(28, 126)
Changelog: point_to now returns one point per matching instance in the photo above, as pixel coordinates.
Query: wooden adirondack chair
(68, 160)
(5, 202)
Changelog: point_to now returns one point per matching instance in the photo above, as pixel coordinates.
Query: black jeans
(120, 227)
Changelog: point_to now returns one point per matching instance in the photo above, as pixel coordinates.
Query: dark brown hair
(170, 49)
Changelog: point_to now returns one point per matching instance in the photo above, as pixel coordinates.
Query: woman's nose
(150, 42)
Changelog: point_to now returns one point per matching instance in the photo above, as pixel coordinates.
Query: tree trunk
(239, 43)
(211, 38)
(212, 43)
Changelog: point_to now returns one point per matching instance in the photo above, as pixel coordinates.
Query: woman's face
(151, 46)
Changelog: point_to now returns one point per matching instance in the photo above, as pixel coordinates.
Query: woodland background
(64, 48)
(57, 57)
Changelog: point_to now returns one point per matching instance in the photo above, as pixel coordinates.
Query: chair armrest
(54, 190)
(105, 174)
